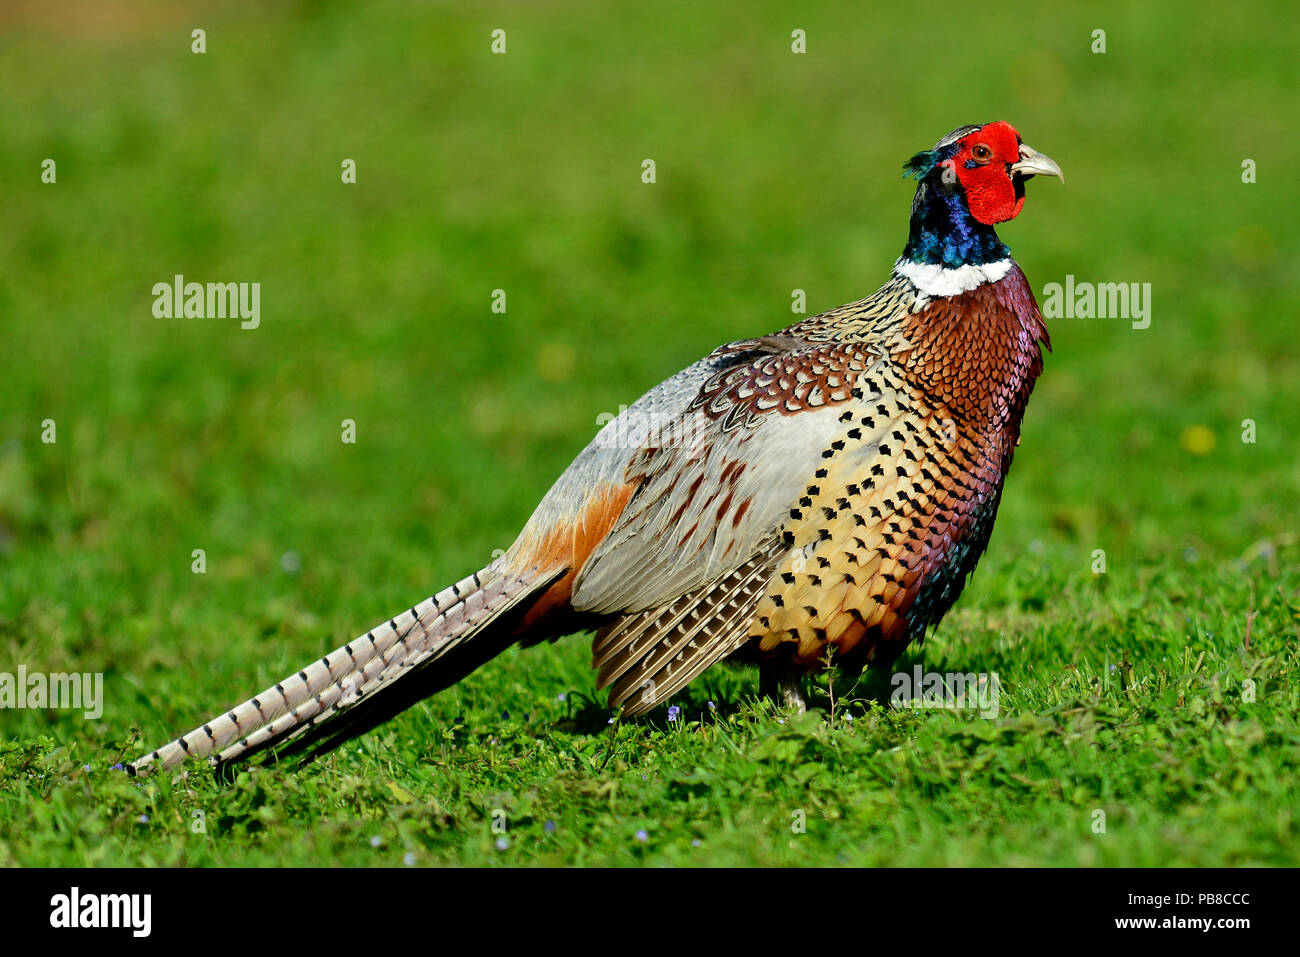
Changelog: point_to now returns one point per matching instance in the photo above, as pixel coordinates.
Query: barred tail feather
(341, 679)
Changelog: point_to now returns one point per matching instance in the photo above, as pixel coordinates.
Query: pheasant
(815, 496)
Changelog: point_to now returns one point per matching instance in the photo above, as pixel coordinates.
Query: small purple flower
(86, 768)
(712, 706)
(409, 859)
(561, 696)
(376, 841)
(696, 843)
(550, 827)
(502, 843)
(673, 712)
(642, 836)
(143, 819)
(118, 767)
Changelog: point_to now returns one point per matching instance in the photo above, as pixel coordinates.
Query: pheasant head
(972, 179)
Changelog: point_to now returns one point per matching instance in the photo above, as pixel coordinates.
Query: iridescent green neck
(944, 233)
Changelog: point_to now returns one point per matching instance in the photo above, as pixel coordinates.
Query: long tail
(345, 677)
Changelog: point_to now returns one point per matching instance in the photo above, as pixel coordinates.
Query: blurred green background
(522, 172)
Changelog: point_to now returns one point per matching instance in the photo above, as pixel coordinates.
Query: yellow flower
(1198, 439)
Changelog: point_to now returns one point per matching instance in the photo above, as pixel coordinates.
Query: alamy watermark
(75, 909)
(638, 429)
(1098, 300)
(179, 299)
(78, 691)
(956, 690)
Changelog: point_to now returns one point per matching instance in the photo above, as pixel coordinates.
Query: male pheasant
(817, 494)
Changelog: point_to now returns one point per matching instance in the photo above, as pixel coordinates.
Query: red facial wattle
(982, 165)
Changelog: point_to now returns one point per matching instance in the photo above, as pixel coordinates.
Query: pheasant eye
(981, 153)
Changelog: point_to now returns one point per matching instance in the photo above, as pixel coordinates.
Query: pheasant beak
(1034, 163)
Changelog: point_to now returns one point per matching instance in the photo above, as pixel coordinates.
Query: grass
(1124, 693)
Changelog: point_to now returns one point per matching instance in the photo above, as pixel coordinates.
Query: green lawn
(1124, 692)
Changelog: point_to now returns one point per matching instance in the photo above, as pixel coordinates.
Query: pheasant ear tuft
(920, 165)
